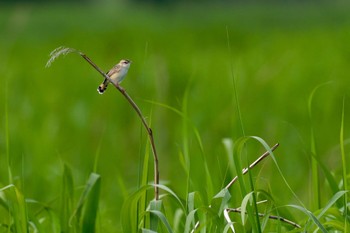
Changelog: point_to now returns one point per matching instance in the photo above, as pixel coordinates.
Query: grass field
(200, 75)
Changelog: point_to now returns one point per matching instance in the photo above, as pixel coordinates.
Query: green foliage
(67, 199)
(205, 80)
(13, 201)
(89, 204)
(81, 218)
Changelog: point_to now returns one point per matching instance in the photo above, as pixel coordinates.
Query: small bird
(116, 74)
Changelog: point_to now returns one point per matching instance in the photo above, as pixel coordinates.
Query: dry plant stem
(270, 216)
(245, 170)
(138, 111)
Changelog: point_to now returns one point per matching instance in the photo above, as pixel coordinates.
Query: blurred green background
(278, 53)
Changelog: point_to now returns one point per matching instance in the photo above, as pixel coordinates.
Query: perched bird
(116, 74)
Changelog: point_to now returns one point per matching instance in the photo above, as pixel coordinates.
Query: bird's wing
(115, 69)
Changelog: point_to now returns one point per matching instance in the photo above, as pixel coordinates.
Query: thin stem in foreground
(245, 170)
(237, 210)
(64, 51)
(139, 113)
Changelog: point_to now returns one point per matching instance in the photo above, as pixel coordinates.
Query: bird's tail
(102, 88)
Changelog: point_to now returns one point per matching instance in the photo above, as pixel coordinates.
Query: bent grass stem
(64, 51)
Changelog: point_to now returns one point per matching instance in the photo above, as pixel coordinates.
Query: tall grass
(103, 187)
(140, 213)
(344, 168)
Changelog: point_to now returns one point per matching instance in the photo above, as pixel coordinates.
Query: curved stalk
(64, 51)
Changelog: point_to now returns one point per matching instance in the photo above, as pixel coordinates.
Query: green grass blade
(191, 204)
(190, 220)
(311, 216)
(173, 194)
(54, 221)
(9, 171)
(122, 186)
(163, 219)
(35, 224)
(336, 225)
(67, 199)
(19, 211)
(303, 208)
(314, 166)
(129, 218)
(238, 148)
(128, 213)
(220, 201)
(267, 148)
(329, 176)
(265, 218)
(184, 154)
(35, 221)
(191, 201)
(90, 198)
(331, 202)
(235, 91)
(45, 219)
(244, 205)
(155, 205)
(17, 207)
(3, 202)
(97, 155)
(343, 157)
(147, 231)
(143, 175)
(256, 222)
(191, 207)
(145, 166)
(208, 218)
(230, 224)
(86, 211)
(269, 207)
(185, 140)
(228, 145)
(208, 175)
(177, 219)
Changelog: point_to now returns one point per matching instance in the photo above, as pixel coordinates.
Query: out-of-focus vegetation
(277, 54)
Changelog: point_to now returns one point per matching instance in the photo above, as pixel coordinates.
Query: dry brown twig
(244, 171)
(64, 51)
(258, 160)
(279, 218)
